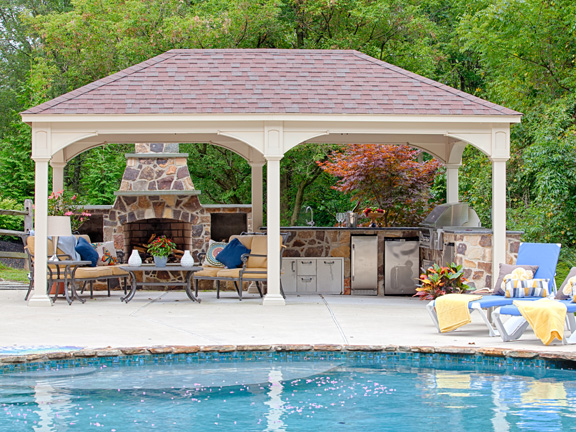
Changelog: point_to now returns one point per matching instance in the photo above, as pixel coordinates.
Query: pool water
(285, 396)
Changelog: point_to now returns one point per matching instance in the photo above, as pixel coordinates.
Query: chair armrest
(245, 257)
(201, 256)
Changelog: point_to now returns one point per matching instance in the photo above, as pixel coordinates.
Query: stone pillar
(39, 296)
(498, 215)
(452, 192)
(273, 296)
(257, 195)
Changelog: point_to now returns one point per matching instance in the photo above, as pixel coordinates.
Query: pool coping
(12, 362)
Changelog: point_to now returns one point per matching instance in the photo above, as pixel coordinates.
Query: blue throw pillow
(87, 251)
(231, 255)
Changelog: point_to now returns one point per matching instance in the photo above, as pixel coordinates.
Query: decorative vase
(160, 261)
(187, 260)
(135, 259)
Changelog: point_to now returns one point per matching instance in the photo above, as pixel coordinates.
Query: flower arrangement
(369, 210)
(438, 281)
(64, 204)
(161, 247)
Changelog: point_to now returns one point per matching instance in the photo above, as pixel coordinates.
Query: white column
(57, 175)
(273, 296)
(39, 296)
(498, 215)
(452, 191)
(257, 195)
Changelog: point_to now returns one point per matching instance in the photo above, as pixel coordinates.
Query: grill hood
(452, 215)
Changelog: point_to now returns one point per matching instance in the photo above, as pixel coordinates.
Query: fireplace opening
(138, 234)
(224, 225)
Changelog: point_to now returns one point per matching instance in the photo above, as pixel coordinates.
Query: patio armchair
(253, 268)
(86, 275)
(543, 255)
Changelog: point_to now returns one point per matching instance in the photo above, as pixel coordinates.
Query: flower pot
(57, 288)
(160, 261)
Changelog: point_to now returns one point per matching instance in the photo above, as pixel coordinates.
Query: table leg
(188, 287)
(130, 295)
(72, 283)
(66, 284)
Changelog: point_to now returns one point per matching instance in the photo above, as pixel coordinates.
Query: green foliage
(438, 281)
(12, 274)
(15, 223)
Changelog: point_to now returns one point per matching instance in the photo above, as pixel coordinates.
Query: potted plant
(438, 281)
(61, 204)
(160, 248)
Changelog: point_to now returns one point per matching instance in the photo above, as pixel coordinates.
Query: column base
(39, 301)
(273, 300)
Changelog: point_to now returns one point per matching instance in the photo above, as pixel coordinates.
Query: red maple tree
(386, 176)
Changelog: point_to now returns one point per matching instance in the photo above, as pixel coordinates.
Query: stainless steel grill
(443, 216)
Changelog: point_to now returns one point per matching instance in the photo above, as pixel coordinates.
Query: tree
(387, 176)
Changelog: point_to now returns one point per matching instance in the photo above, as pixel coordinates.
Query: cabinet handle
(293, 266)
(309, 279)
(329, 262)
(306, 262)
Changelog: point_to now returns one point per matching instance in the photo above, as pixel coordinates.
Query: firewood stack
(142, 248)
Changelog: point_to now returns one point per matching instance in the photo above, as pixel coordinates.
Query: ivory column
(498, 215)
(452, 191)
(257, 195)
(273, 296)
(39, 296)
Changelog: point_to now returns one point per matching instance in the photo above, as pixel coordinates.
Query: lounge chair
(515, 326)
(544, 255)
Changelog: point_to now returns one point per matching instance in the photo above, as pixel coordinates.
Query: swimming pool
(290, 392)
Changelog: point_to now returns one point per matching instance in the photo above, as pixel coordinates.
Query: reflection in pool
(285, 396)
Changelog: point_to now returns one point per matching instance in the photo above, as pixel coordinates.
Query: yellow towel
(545, 316)
(452, 310)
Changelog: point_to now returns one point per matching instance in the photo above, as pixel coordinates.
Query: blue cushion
(87, 251)
(231, 255)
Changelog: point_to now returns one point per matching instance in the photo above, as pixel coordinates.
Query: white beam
(39, 295)
(257, 195)
(273, 296)
(452, 191)
(498, 216)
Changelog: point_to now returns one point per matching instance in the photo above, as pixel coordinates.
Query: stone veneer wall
(474, 252)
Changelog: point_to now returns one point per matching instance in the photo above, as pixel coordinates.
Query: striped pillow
(526, 288)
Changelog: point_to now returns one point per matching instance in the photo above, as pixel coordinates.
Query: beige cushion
(208, 272)
(506, 269)
(560, 293)
(94, 272)
(246, 240)
(117, 271)
(230, 273)
(259, 247)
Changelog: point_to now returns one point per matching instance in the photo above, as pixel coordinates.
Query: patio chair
(515, 326)
(543, 255)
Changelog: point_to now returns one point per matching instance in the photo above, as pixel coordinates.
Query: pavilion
(260, 103)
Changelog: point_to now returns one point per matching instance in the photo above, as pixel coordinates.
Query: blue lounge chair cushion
(514, 311)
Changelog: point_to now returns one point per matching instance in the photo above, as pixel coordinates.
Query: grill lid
(454, 214)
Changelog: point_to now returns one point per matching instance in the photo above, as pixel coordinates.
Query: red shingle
(267, 81)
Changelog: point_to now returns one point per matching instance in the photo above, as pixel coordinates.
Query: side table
(69, 267)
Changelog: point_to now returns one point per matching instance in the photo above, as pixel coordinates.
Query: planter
(160, 261)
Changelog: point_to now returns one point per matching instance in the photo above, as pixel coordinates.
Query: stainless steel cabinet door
(364, 265)
(289, 275)
(330, 278)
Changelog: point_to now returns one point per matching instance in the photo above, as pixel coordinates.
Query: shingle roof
(267, 81)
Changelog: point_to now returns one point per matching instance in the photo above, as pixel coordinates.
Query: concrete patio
(169, 319)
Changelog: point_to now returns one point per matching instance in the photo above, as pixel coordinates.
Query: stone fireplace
(157, 196)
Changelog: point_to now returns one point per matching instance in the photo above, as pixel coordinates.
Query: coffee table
(148, 268)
